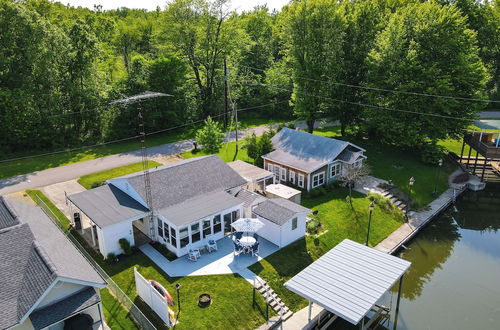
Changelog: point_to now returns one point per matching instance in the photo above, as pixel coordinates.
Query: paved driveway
(76, 170)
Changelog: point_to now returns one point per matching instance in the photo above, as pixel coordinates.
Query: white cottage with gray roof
(45, 283)
(309, 161)
(193, 200)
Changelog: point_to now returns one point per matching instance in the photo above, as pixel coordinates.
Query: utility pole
(225, 93)
(236, 124)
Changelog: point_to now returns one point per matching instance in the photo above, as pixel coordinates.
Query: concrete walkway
(490, 114)
(56, 194)
(76, 170)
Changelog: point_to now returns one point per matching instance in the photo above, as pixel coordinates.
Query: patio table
(248, 240)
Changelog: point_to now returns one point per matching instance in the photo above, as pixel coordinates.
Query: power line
(362, 104)
(383, 89)
(132, 137)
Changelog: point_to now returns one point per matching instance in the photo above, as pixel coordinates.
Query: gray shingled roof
(33, 254)
(249, 172)
(61, 310)
(174, 183)
(249, 198)
(279, 210)
(304, 151)
(7, 216)
(198, 207)
(107, 205)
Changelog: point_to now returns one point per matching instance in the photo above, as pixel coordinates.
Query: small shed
(257, 178)
(349, 280)
(282, 191)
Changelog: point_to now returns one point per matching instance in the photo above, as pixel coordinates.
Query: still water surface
(454, 280)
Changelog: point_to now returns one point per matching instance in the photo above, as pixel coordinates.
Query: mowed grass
(90, 180)
(340, 222)
(390, 163)
(227, 153)
(28, 165)
(232, 297)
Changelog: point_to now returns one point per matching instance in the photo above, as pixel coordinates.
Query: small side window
(294, 223)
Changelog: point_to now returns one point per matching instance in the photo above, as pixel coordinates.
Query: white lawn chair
(194, 254)
(211, 245)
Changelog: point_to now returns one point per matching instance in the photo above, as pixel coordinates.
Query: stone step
(287, 315)
(398, 203)
(385, 193)
(393, 200)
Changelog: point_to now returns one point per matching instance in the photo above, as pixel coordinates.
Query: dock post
(475, 162)
(310, 311)
(397, 303)
(468, 157)
(463, 146)
(484, 168)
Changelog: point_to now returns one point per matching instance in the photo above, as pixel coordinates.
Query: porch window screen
(195, 232)
(160, 228)
(184, 237)
(173, 237)
(217, 224)
(166, 230)
(207, 229)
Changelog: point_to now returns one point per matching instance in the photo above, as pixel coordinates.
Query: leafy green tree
(250, 143)
(424, 48)
(313, 32)
(265, 146)
(211, 136)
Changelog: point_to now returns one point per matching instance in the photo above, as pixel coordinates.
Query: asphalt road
(76, 170)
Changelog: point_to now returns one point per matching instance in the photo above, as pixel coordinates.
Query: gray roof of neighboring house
(33, 254)
(107, 205)
(278, 210)
(7, 216)
(60, 310)
(176, 182)
(198, 207)
(305, 151)
(249, 198)
(349, 279)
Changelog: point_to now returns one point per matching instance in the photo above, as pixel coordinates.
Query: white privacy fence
(152, 297)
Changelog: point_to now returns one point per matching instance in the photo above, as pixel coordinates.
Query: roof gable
(279, 210)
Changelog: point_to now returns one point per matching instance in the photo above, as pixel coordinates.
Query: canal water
(454, 279)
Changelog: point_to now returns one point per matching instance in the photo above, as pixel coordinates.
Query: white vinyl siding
(291, 177)
(318, 179)
(300, 180)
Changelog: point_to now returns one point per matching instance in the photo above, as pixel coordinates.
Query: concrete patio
(221, 261)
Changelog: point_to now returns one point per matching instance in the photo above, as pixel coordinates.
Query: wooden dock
(418, 220)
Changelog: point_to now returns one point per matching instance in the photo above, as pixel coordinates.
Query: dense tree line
(60, 67)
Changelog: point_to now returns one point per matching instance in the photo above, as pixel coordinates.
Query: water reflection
(453, 280)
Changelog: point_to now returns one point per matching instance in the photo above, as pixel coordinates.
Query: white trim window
(318, 179)
(283, 174)
(300, 180)
(291, 176)
(269, 167)
(335, 170)
(294, 223)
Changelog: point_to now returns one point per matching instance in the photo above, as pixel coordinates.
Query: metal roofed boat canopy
(349, 279)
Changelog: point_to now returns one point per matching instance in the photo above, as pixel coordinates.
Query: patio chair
(255, 248)
(238, 235)
(238, 249)
(194, 254)
(212, 245)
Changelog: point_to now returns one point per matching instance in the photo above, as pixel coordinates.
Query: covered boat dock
(348, 281)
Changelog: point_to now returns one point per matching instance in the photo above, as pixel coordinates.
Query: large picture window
(217, 224)
(195, 232)
(335, 170)
(318, 179)
(184, 237)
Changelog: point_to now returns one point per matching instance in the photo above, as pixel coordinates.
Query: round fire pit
(204, 300)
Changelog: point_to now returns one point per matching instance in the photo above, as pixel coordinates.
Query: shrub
(313, 226)
(111, 258)
(125, 246)
(318, 192)
(431, 153)
(211, 136)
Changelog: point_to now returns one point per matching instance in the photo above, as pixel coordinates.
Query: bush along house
(309, 161)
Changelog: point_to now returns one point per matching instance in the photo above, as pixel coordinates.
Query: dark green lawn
(382, 160)
(227, 153)
(90, 180)
(232, 295)
(340, 221)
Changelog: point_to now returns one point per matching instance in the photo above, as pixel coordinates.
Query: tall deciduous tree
(425, 48)
(313, 31)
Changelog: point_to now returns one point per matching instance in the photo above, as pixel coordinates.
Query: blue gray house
(310, 161)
